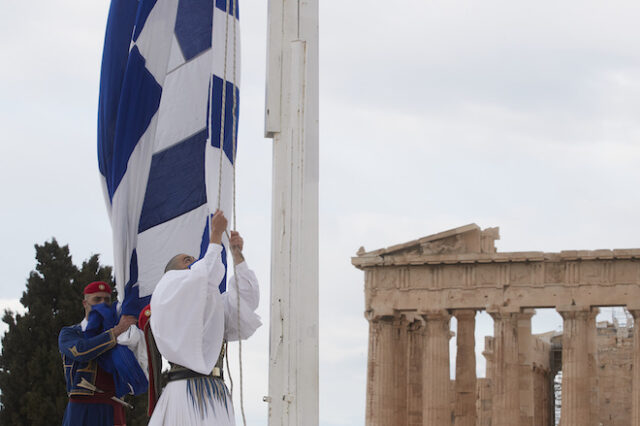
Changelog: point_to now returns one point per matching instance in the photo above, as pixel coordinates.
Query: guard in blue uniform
(91, 390)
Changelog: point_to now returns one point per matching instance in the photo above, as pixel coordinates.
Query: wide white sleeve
(187, 313)
(133, 338)
(248, 321)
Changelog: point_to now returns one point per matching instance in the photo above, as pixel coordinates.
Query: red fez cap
(145, 316)
(97, 287)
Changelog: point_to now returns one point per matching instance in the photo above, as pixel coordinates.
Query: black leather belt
(181, 373)
(178, 372)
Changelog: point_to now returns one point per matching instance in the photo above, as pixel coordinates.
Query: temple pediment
(464, 239)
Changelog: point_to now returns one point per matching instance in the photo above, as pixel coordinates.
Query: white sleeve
(133, 338)
(248, 321)
(187, 313)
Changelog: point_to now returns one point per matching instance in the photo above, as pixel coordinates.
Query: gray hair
(172, 265)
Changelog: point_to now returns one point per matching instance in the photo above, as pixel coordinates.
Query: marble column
(548, 415)
(484, 403)
(416, 341)
(435, 370)
(489, 358)
(486, 391)
(592, 356)
(635, 387)
(525, 355)
(465, 384)
(506, 380)
(576, 381)
(400, 345)
(381, 370)
(541, 392)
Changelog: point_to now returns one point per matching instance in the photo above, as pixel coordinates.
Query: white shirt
(190, 317)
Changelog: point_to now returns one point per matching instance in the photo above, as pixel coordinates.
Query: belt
(180, 373)
(98, 398)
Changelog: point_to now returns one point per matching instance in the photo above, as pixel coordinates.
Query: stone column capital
(576, 312)
(504, 314)
(374, 317)
(464, 314)
(527, 313)
(416, 326)
(400, 320)
(436, 315)
(414, 319)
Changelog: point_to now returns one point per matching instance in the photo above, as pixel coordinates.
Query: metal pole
(291, 119)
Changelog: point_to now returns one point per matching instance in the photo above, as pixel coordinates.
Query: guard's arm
(247, 285)
(76, 347)
(244, 281)
(211, 264)
(243, 323)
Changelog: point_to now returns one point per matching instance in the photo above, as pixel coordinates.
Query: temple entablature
(461, 269)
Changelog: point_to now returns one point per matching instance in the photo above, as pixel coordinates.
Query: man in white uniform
(190, 319)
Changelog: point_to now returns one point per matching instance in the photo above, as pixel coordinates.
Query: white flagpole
(291, 119)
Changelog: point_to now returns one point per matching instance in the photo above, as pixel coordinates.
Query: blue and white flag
(169, 97)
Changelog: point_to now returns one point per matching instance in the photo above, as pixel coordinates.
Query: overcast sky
(434, 114)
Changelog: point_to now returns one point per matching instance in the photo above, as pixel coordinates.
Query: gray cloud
(433, 115)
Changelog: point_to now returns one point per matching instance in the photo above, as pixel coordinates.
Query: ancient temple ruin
(413, 289)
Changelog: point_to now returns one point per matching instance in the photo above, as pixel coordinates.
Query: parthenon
(413, 289)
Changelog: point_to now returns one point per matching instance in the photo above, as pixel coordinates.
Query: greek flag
(169, 98)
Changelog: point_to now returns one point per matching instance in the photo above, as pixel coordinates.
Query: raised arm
(210, 264)
(245, 281)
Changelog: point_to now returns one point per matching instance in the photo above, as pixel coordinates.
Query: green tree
(31, 373)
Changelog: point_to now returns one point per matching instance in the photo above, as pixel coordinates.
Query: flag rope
(233, 155)
(234, 147)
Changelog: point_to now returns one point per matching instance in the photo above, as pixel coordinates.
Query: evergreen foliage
(31, 373)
